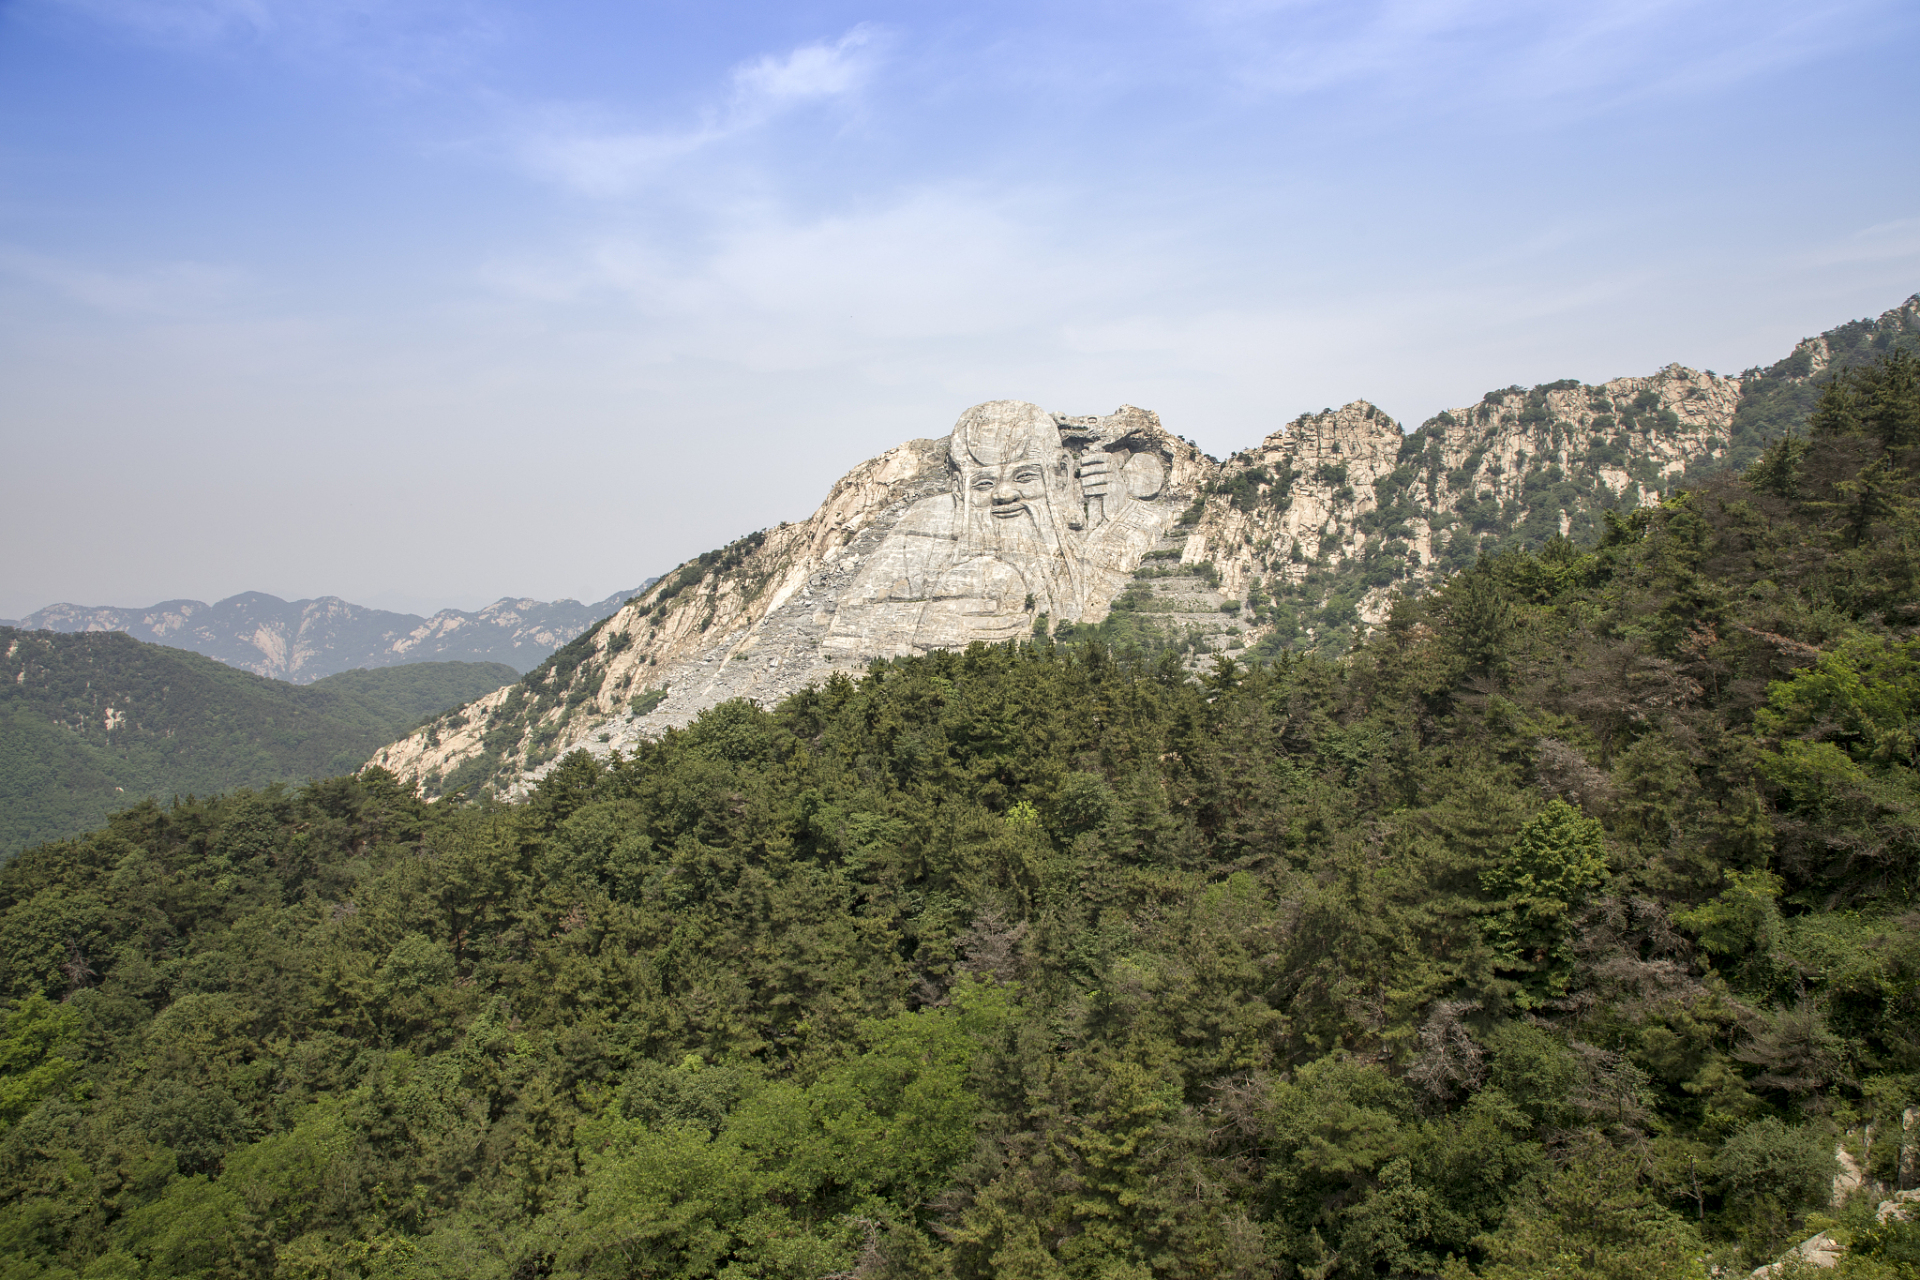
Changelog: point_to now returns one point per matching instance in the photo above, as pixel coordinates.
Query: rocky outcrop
(1824, 1251)
(1821, 1251)
(1019, 518)
(1319, 526)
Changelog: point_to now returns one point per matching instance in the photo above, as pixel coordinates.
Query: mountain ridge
(1564, 926)
(309, 639)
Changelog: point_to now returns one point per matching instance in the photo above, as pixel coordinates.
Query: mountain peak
(1023, 521)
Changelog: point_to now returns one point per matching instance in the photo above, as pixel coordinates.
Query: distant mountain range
(94, 722)
(304, 640)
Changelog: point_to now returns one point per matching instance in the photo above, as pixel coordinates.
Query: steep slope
(1777, 400)
(305, 640)
(90, 723)
(1299, 543)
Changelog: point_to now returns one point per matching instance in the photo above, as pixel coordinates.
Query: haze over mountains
(1379, 881)
(305, 640)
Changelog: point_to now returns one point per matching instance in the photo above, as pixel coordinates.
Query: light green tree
(1556, 863)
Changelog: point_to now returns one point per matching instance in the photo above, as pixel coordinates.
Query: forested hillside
(1563, 928)
(92, 722)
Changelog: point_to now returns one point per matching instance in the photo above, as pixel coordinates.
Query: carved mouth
(1008, 513)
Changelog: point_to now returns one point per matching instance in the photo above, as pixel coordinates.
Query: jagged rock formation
(1041, 518)
(1320, 525)
(305, 640)
(1111, 528)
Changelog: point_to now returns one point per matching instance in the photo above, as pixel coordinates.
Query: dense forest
(1565, 927)
(94, 720)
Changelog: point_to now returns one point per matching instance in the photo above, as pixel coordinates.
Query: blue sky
(422, 303)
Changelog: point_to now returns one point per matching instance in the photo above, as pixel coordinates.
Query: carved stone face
(1010, 489)
(1040, 516)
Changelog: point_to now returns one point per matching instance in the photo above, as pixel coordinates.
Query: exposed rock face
(1017, 515)
(1823, 1252)
(304, 640)
(1899, 1205)
(1038, 518)
(1022, 518)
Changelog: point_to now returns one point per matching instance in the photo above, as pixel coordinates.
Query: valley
(93, 722)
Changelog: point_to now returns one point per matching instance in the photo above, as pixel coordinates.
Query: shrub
(1770, 1158)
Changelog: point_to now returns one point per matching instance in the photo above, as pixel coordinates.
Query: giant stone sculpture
(1042, 516)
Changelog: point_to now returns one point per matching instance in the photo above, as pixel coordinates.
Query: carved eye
(1027, 473)
(984, 482)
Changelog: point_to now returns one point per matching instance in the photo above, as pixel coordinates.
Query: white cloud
(773, 291)
(568, 145)
(808, 72)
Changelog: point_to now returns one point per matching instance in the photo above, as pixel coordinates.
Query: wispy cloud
(1882, 242)
(567, 145)
(170, 290)
(770, 290)
(1504, 52)
(808, 72)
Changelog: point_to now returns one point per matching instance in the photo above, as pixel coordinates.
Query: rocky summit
(1023, 522)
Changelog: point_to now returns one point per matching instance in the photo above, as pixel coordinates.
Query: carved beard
(1016, 536)
(1037, 542)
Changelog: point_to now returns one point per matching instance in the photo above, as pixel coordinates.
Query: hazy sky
(421, 303)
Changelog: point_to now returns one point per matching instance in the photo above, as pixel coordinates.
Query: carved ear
(1144, 475)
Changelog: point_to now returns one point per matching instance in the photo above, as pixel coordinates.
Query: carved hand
(1096, 473)
(978, 599)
